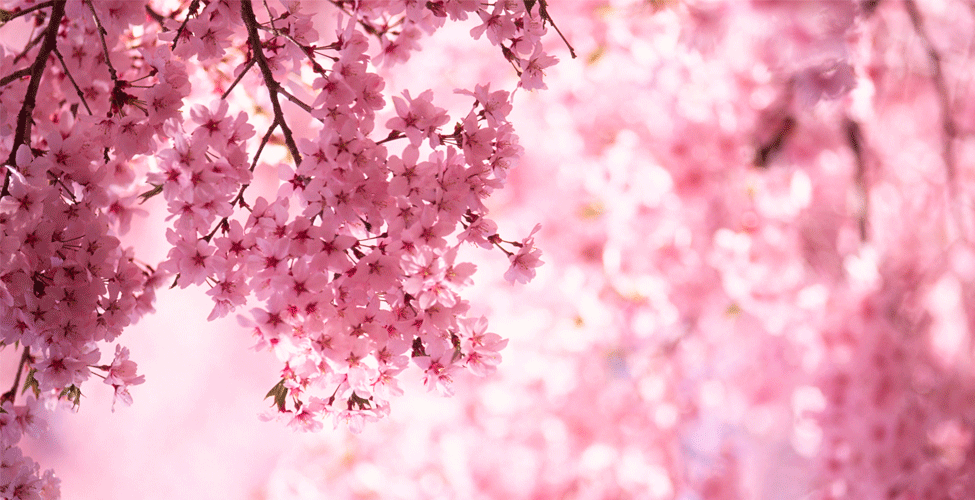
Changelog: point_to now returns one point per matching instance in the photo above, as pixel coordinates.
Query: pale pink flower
(121, 375)
(525, 260)
(532, 69)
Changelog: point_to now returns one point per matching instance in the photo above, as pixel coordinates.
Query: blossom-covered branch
(254, 40)
(25, 116)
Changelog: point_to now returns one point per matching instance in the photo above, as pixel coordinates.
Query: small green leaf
(279, 392)
(73, 394)
(455, 341)
(150, 193)
(358, 403)
(32, 384)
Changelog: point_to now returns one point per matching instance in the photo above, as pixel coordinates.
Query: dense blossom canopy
(353, 261)
(757, 219)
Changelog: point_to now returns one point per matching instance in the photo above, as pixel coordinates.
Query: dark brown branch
(543, 12)
(194, 6)
(298, 102)
(243, 72)
(16, 75)
(101, 36)
(254, 39)
(6, 15)
(22, 133)
(260, 148)
(393, 135)
(157, 17)
(766, 151)
(372, 30)
(239, 199)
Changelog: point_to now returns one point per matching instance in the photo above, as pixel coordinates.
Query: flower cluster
(766, 276)
(354, 260)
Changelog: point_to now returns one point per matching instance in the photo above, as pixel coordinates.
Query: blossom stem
(30, 45)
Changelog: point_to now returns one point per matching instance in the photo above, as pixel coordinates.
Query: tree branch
(194, 6)
(16, 75)
(30, 45)
(22, 134)
(6, 15)
(254, 39)
(239, 199)
(81, 94)
(243, 72)
(101, 36)
(11, 395)
(298, 102)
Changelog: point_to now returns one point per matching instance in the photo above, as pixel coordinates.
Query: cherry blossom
(114, 104)
(756, 220)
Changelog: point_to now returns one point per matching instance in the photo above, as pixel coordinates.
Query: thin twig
(8, 16)
(260, 148)
(298, 102)
(372, 30)
(156, 17)
(30, 45)
(240, 194)
(250, 20)
(194, 5)
(270, 16)
(101, 36)
(81, 95)
(243, 72)
(393, 135)
(940, 84)
(543, 12)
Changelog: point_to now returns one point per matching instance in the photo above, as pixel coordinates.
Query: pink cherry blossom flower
(532, 69)
(121, 375)
(524, 260)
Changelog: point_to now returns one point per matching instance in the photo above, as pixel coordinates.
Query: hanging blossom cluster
(353, 264)
(795, 318)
